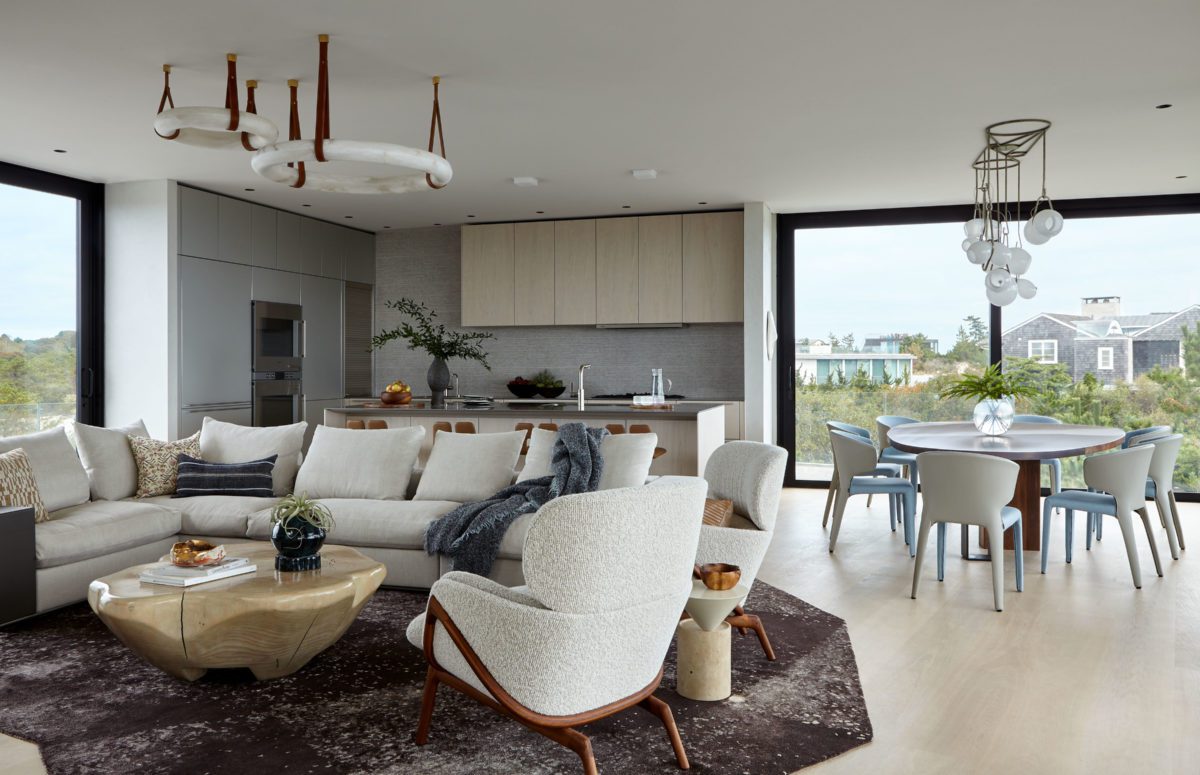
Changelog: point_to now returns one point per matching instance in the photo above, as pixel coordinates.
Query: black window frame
(89, 279)
(785, 267)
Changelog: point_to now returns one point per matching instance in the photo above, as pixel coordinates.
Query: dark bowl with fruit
(551, 392)
(522, 388)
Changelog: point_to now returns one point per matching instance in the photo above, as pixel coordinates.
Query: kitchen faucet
(582, 403)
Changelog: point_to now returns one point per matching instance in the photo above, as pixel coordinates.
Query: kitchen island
(689, 432)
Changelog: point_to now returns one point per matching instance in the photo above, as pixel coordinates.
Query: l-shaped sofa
(91, 533)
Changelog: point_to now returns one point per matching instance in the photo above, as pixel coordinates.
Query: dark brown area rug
(93, 707)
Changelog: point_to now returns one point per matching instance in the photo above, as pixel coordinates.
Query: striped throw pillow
(17, 485)
(200, 477)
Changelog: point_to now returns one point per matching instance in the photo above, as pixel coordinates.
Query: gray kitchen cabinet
(360, 261)
(262, 236)
(234, 230)
(288, 255)
(314, 414)
(321, 300)
(214, 332)
(337, 244)
(191, 420)
(312, 245)
(199, 221)
(274, 285)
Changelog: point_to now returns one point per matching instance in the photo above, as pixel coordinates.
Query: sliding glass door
(49, 332)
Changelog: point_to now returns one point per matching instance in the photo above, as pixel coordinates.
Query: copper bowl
(720, 576)
(395, 397)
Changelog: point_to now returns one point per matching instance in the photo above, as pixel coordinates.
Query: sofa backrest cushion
(108, 460)
(158, 462)
(18, 486)
(60, 477)
(251, 479)
(467, 467)
(224, 442)
(627, 457)
(344, 463)
(604, 551)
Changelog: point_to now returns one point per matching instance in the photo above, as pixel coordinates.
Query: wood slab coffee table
(269, 621)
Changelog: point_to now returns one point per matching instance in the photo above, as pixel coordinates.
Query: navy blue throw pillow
(200, 477)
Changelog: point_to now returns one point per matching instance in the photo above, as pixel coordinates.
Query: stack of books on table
(177, 576)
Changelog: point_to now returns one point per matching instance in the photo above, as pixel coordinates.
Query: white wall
(140, 286)
(759, 283)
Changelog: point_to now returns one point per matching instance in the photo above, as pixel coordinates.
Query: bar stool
(466, 426)
(658, 451)
(442, 426)
(528, 428)
(615, 429)
(548, 426)
(355, 425)
(377, 425)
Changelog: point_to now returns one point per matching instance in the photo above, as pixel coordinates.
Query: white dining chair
(1132, 439)
(1117, 486)
(883, 469)
(1054, 464)
(856, 460)
(1160, 485)
(970, 489)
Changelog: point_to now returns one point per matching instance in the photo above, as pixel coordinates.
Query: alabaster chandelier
(296, 162)
(993, 241)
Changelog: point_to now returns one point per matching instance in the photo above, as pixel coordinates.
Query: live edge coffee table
(269, 621)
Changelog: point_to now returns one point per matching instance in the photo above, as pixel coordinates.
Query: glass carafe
(658, 395)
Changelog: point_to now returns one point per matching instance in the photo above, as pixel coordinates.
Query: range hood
(640, 325)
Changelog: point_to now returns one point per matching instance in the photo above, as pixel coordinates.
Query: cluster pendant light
(296, 161)
(993, 241)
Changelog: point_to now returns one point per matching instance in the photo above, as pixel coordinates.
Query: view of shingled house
(1101, 341)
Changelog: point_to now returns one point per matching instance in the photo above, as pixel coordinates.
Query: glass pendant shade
(1026, 289)
(1002, 297)
(1019, 260)
(980, 252)
(973, 228)
(1033, 236)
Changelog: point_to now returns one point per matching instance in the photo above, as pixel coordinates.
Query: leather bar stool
(548, 426)
(658, 451)
(528, 428)
(466, 426)
(355, 425)
(615, 429)
(441, 426)
(377, 425)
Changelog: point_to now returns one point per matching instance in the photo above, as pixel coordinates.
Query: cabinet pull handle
(303, 338)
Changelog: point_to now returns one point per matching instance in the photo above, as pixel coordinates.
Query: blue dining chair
(888, 453)
(1054, 463)
(1117, 486)
(856, 459)
(883, 469)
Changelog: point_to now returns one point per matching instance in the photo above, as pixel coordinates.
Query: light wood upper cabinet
(660, 269)
(616, 270)
(575, 273)
(534, 293)
(488, 273)
(712, 268)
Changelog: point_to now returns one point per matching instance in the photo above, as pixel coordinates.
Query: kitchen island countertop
(677, 412)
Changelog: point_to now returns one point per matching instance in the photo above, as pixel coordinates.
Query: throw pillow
(627, 458)
(60, 477)
(344, 463)
(467, 467)
(224, 442)
(158, 462)
(202, 477)
(717, 513)
(108, 460)
(18, 486)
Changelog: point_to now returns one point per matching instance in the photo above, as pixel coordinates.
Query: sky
(916, 279)
(37, 263)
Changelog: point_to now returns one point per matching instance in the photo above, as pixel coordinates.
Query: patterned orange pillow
(158, 463)
(17, 485)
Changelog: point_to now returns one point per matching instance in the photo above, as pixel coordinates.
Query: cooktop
(629, 396)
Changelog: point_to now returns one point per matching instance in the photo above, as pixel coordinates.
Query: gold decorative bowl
(720, 576)
(195, 553)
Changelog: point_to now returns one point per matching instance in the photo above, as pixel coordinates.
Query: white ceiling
(805, 105)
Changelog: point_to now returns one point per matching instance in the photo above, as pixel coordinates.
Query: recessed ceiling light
(539, 212)
(645, 174)
(60, 150)
(306, 205)
(702, 203)
(525, 182)
(625, 207)
(1163, 106)
(437, 224)
(387, 227)
(470, 216)
(1180, 177)
(247, 189)
(348, 217)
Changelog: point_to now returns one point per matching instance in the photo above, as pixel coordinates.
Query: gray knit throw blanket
(470, 535)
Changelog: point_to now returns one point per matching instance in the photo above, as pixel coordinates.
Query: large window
(48, 348)
(884, 310)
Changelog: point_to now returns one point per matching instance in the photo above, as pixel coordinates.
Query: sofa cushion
(469, 467)
(361, 522)
(158, 462)
(217, 516)
(101, 527)
(18, 486)
(343, 463)
(61, 480)
(224, 442)
(512, 546)
(107, 458)
(627, 457)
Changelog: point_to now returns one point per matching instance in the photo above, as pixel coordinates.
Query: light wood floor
(1081, 673)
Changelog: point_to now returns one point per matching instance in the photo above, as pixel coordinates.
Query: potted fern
(299, 525)
(995, 392)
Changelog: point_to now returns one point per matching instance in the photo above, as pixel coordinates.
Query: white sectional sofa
(86, 538)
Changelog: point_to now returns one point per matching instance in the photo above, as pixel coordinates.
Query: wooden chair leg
(752, 622)
(577, 742)
(663, 711)
(431, 685)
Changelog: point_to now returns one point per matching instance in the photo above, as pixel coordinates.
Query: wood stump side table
(269, 621)
(703, 646)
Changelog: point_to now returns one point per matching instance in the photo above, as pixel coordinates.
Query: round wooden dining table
(1027, 444)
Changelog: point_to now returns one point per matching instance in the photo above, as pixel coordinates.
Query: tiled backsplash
(702, 361)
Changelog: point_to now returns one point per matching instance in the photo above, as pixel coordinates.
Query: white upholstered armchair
(750, 474)
(607, 573)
